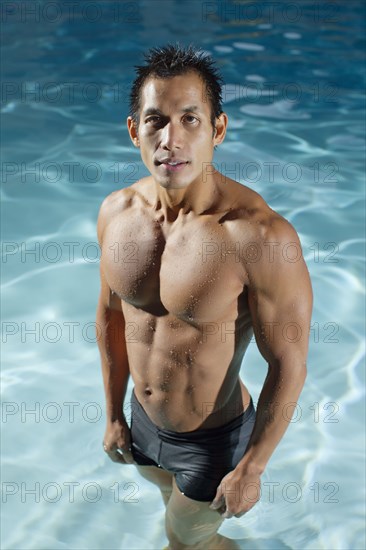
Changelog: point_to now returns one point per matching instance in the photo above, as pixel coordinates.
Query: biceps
(108, 298)
(281, 327)
(110, 327)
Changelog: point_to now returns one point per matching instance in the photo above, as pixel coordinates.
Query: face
(175, 134)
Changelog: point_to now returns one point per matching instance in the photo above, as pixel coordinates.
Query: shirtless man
(192, 264)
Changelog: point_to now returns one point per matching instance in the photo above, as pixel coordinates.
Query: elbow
(299, 373)
(291, 367)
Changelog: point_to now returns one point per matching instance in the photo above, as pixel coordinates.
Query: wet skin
(183, 297)
(192, 263)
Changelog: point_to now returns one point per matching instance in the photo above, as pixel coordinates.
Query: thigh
(158, 476)
(190, 521)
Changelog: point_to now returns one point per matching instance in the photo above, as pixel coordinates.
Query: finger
(227, 515)
(116, 457)
(240, 515)
(218, 501)
(112, 452)
(127, 456)
(221, 510)
(115, 452)
(215, 505)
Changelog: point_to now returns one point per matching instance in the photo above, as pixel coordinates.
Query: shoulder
(113, 205)
(117, 200)
(270, 246)
(255, 220)
(122, 201)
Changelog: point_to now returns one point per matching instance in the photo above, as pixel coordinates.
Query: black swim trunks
(199, 459)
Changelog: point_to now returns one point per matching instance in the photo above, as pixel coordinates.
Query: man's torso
(183, 291)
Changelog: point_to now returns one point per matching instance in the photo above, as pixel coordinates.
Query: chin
(174, 184)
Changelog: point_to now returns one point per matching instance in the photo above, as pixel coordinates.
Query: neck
(196, 197)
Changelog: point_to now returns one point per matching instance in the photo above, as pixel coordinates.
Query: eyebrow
(154, 111)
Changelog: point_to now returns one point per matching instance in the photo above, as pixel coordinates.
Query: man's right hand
(117, 442)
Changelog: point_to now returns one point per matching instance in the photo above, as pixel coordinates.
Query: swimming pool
(294, 95)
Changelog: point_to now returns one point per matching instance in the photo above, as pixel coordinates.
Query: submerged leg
(161, 478)
(191, 524)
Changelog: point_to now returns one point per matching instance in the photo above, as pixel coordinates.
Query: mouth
(172, 165)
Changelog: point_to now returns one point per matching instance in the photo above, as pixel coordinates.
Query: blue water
(295, 99)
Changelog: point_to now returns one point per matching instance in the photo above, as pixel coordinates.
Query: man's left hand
(237, 493)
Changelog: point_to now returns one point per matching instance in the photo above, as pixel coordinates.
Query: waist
(197, 434)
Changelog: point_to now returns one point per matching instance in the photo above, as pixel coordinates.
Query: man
(192, 263)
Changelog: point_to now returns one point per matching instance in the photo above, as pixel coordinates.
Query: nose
(171, 137)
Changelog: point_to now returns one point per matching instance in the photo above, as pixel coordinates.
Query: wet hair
(173, 60)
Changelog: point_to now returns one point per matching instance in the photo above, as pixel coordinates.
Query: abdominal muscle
(184, 379)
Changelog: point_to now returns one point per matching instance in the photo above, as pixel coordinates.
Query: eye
(153, 119)
(191, 119)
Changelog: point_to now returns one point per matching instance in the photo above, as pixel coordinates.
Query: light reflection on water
(294, 97)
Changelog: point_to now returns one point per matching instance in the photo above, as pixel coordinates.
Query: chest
(192, 270)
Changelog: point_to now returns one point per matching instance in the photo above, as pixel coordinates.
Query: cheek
(145, 156)
(148, 141)
(204, 144)
(205, 138)
(146, 144)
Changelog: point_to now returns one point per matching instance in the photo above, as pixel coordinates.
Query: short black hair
(173, 60)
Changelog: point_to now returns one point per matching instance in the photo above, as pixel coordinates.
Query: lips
(172, 161)
(168, 167)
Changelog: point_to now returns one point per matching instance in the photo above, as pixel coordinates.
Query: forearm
(275, 408)
(114, 360)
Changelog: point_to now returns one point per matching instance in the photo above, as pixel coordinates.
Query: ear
(220, 128)
(132, 130)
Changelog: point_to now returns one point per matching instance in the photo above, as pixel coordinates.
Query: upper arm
(110, 318)
(107, 298)
(280, 295)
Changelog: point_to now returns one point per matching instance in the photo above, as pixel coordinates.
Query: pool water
(294, 95)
